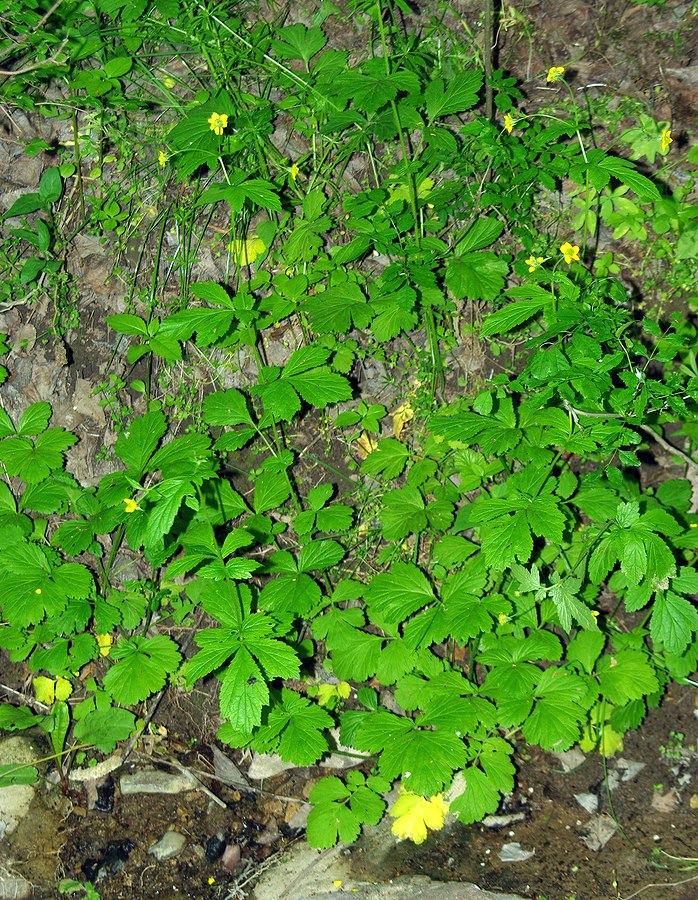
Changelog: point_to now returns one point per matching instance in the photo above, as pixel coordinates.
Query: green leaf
(340, 308)
(396, 595)
(674, 620)
(142, 669)
(302, 724)
(484, 231)
(479, 799)
(35, 419)
(244, 692)
(628, 174)
(389, 458)
(476, 276)
(512, 316)
(555, 721)
(104, 728)
(124, 323)
(625, 676)
(459, 95)
(318, 555)
(297, 594)
(299, 42)
(569, 607)
(17, 773)
(135, 447)
(271, 490)
(226, 408)
(403, 513)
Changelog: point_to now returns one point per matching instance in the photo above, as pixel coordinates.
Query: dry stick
(28, 700)
(669, 884)
(196, 782)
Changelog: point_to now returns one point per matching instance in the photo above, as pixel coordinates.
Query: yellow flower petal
(666, 139)
(218, 122)
(508, 123)
(555, 73)
(130, 505)
(162, 159)
(295, 169)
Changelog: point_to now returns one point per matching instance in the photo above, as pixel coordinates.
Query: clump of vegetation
(498, 564)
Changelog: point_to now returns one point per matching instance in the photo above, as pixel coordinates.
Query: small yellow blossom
(38, 590)
(693, 525)
(169, 82)
(130, 505)
(508, 123)
(666, 139)
(533, 262)
(502, 618)
(295, 169)
(570, 252)
(555, 73)
(211, 880)
(218, 123)
(162, 159)
(595, 613)
(336, 883)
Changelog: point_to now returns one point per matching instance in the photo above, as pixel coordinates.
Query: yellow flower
(508, 123)
(131, 505)
(693, 525)
(415, 816)
(295, 169)
(570, 252)
(218, 123)
(38, 590)
(169, 82)
(666, 139)
(533, 262)
(502, 618)
(595, 613)
(555, 73)
(162, 159)
(211, 880)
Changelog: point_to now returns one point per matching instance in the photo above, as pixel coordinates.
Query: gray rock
(14, 887)
(304, 873)
(599, 832)
(570, 759)
(152, 781)
(514, 852)
(170, 845)
(630, 768)
(266, 765)
(15, 799)
(589, 802)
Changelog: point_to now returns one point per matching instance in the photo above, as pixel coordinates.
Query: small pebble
(231, 857)
(170, 845)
